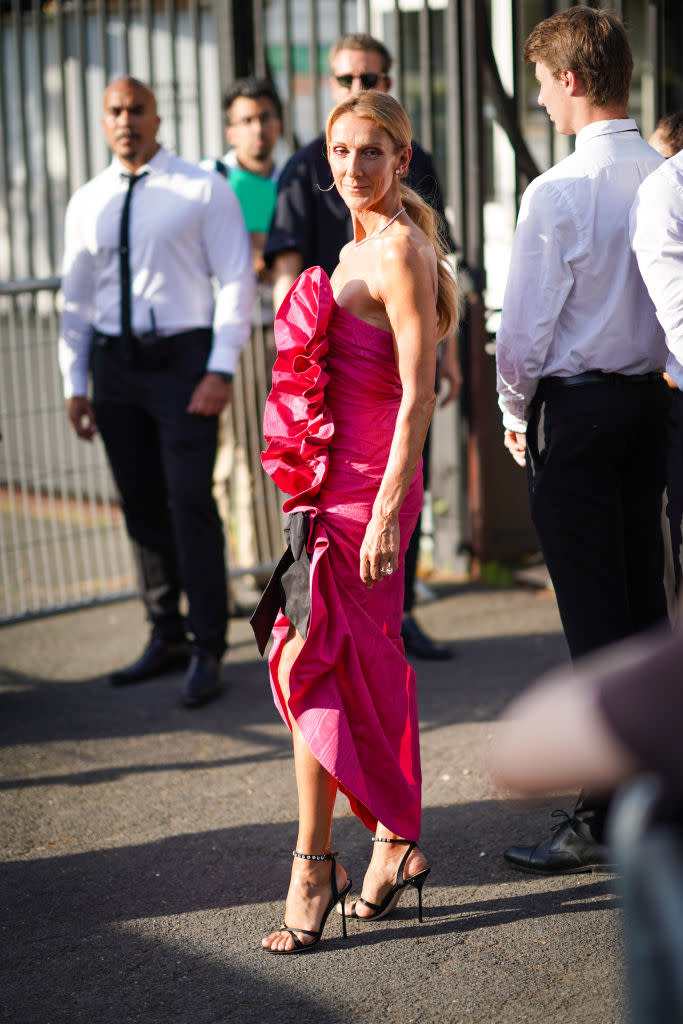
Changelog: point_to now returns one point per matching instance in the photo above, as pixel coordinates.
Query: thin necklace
(384, 228)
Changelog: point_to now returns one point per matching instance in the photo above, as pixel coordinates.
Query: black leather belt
(151, 337)
(598, 377)
(151, 351)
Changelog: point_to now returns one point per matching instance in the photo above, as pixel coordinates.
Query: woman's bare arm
(407, 287)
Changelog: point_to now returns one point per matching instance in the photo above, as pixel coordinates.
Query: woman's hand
(379, 550)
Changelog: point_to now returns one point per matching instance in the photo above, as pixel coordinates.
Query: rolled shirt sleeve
(539, 281)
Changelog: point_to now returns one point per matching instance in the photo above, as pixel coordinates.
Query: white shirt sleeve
(77, 289)
(228, 250)
(657, 240)
(539, 281)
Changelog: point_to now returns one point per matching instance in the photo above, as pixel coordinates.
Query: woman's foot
(308, 900)
(381, 876)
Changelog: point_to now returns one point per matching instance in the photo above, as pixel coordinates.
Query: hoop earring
(324, 189)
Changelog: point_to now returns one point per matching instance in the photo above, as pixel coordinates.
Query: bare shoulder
(407, 259)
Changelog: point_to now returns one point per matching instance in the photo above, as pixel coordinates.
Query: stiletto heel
(417, 881)
(400, 885)
(338, 897)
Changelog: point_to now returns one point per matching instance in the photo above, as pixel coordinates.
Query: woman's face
(364, 161)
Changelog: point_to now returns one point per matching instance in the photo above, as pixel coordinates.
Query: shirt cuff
(227, 349)
(75, 384)
(511, 422)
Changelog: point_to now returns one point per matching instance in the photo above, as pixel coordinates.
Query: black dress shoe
(568, 852)
(158, 657)
(416, 642)
(203, 680)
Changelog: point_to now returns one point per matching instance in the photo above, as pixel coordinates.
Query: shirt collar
(598, 128)
(157, 165)
(230, 161)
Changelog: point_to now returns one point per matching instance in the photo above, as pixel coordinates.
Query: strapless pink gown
(329, 423)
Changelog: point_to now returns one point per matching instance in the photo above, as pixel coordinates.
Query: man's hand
(449, 370)
(211, 395)
(516, 445)
(81, 417)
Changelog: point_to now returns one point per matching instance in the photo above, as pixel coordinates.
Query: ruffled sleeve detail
(297, 424)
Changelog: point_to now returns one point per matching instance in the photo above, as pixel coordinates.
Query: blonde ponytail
(422, 214)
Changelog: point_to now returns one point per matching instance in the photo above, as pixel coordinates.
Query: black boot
(203, 680)
(571, 850)
(159, 656)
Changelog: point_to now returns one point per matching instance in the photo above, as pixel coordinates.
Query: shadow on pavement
(474, 686)
(169, 930)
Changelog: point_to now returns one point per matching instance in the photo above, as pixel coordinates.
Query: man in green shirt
(253, 129)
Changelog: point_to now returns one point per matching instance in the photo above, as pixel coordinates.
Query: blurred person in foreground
(312, 224)
(144, 242)
(580, 357)
(345, 423)
(622, 716)
(621, 711)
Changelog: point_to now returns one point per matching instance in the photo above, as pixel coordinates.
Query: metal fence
(62, 538)
(63, 542)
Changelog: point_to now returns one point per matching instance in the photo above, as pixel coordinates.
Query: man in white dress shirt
(580, 358)
(657, 239)
(144, 241)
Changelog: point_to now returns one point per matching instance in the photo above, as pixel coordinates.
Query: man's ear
(573, 83)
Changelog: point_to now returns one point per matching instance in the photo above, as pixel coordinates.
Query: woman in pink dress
(352, 397)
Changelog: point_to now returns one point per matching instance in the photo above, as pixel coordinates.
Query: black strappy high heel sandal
(401, 883)
(338, 896)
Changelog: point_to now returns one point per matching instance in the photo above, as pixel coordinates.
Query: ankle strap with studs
(314, 856)
(381, 839)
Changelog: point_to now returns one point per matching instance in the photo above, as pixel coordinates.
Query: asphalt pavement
(145, 847)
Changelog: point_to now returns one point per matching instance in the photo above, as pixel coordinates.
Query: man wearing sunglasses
(311, 225)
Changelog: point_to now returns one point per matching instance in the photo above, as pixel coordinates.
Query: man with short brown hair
(580, 358)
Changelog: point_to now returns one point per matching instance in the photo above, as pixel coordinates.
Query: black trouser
(162, 459)
(596, 474)
(674, 483)
(596, 456)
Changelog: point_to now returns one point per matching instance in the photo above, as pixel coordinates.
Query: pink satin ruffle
(297, 424)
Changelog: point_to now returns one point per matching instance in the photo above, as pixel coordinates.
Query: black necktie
(124, 268)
